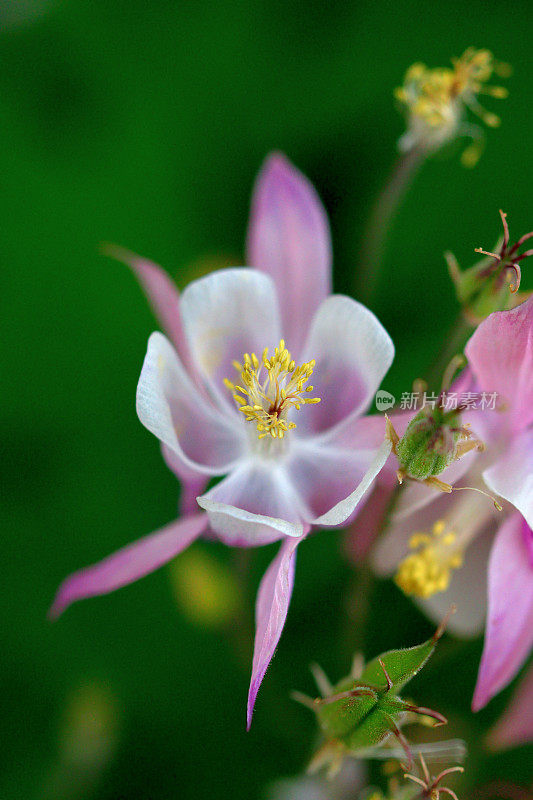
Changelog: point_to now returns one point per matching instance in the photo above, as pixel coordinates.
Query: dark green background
(144, 124)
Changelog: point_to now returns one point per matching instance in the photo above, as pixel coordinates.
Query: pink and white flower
(465, 526)
(226, 398)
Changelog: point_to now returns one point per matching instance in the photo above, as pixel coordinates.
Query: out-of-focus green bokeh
(144, 124)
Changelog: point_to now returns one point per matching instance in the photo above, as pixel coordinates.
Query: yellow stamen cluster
(269, 387)
(432, 97)
(428, 569)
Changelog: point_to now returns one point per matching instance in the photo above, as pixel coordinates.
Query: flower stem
(381, 217)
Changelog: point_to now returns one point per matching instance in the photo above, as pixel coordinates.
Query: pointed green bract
(401, 665)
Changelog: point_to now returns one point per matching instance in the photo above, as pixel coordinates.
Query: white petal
(328, 469)
(340, 512)
(353, 352)
(254, 505)
(227, 314)
(172, 409)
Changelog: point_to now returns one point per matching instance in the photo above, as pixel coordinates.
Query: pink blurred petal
(273, 600)
(255, 505)
(364, 530)
(162, 294)
(500, 353)
(515, 727)
(130, 563)
(289, 239)
(528, 540)
(353, 352)
(226, 314)
(509, 629)
(204, 439)
(512, 475)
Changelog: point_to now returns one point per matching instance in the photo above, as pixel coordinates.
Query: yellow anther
(428, 569)
(271, 388)
(418, 539)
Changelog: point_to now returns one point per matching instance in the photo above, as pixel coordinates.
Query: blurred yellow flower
(435, 102)
(205, 589)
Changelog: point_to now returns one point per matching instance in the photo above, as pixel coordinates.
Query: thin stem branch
(381, 217)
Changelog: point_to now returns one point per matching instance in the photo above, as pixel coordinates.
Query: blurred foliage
(145, 124)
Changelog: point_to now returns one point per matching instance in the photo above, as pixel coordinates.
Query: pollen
(428, 568)
(267, 388)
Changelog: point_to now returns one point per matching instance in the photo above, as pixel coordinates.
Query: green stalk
(380, 220)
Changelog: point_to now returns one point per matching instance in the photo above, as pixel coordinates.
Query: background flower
(500, 355)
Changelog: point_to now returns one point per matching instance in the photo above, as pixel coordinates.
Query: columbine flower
(435, 102)
(437, 564)
(228, 398)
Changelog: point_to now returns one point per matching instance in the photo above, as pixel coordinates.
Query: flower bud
(429, 444)
(361, 712)
(434, 438)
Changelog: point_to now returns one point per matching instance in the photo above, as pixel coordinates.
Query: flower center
(434, 556)
(269, 388)
(428, 569)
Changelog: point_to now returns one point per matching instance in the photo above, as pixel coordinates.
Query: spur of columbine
(435, 102)
(226, 397)
(429, 539)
